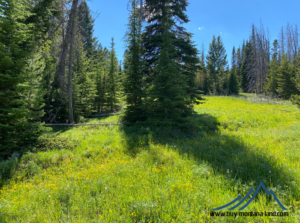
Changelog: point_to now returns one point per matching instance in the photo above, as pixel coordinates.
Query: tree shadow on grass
(224, 153)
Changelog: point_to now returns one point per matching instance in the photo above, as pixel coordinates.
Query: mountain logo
(261, 185)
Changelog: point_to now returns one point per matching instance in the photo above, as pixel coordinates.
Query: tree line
(256, 67)
(53, 69)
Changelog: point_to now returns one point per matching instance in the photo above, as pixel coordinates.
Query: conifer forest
(166, 133)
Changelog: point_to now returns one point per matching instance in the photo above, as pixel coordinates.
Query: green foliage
(34, 90)
(286, 74)
(171, 93)
(296, 80)
(15, 47)
(132, 174)
(101, 67)
(246, 66)
(296, 100)
(111, 78)
(167, 103)
(171, 63)
(216, 60)
(42, 14)
(86, 27)
(271, 84)
(7, 169)
(84, 92)
(133, 81)
(233, 85)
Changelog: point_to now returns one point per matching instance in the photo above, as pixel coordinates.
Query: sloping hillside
(135, 174)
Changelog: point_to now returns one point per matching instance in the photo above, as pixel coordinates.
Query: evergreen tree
(201, 76)
(271, 80)
(15, 47)
(206, 84)
(133, 82)
(233, 86)
(49, 53)
(233, 59)
(296, 97)
(247, 65)
(86, 27)
(172, 59)
(44, 14)
(167, 102)
(239, 60)
(286, 75)
(84, 92)
(34, 79)
(111, 78)
(102, 58)
(216, 60)
(224, 75)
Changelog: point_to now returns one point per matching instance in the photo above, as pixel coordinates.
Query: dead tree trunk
(70, 86)
(65, 45)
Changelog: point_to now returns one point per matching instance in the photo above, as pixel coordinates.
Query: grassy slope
(112, 174)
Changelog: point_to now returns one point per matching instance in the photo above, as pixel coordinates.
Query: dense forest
(54, 70)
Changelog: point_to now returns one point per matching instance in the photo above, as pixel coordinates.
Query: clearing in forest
(135, 174)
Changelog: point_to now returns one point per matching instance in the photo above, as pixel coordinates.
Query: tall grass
(138, 174)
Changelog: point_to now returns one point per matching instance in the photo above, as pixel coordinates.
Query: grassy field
(135, 174)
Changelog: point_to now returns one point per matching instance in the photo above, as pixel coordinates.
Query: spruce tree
(172, 62)
(167, 95)
(247, 65)
(34, 92)
(239, 60)
(233, 59)
(233, 86)
(216, 61)
(111, 78)
(286, 75)
(86, 27)
(102, 61)
(296, 97)
(49, 53)
(224, 80)
(271, 84)
(15, 46)
(84, 86)
(133, 82)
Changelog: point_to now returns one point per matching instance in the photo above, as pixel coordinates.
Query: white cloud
(200, 28)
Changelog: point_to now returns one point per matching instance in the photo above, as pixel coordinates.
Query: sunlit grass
(130, 174)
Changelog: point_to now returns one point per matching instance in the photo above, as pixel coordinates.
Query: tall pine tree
(296, 97)
(172, 61)
(112, 87)
(86, 27)
(286, 74)
(16, 44)
(271, 84)
(233, 86)
(216, 61)
(133, 82)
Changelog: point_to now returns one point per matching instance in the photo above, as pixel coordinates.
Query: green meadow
(137, 174)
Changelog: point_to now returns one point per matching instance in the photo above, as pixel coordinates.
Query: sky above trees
(231, 19)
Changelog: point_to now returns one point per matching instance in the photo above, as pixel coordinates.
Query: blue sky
(232, 19)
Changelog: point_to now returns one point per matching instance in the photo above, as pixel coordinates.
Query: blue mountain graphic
(261, 185)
